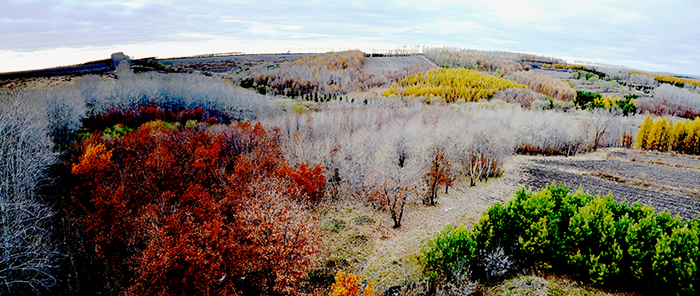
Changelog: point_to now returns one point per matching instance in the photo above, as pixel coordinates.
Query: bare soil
(664, 182)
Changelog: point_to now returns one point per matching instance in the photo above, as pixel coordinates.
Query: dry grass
(361, 240)
(394, 259)
(532, 285)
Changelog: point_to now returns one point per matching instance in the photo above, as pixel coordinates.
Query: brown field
(672, 184)
(222, 64)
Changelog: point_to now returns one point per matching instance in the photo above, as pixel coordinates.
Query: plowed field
(672, 184)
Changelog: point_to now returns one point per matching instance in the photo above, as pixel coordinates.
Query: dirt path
(393, 261)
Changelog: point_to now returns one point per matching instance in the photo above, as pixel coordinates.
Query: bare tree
(391, 188)
(27, 254)
(598, 124)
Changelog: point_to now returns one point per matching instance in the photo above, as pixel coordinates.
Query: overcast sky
(648, 35)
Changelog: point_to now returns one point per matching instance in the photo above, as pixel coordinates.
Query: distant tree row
(565, 66)
(663, 135)
(526, 57)
(170, 91)
(677, 81)
(636, 78)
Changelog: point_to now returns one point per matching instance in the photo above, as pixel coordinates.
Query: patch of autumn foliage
(662, 135)
(136, 117)
(346, 284)
(195, 212)
(452, 85)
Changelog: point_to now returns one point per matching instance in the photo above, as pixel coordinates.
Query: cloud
(661, 36)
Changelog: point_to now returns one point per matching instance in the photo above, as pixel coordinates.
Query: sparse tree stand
(439, 174)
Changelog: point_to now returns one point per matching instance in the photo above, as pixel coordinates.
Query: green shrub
(452, 245)
(493, 228)
(535, 221)
(641, 237)
(595, 252)
(594, 237)
(676, 258)
(117, 131)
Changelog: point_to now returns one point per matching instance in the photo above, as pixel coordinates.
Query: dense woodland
(161, 184)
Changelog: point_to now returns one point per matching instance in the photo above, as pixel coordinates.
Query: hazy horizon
(638, 34)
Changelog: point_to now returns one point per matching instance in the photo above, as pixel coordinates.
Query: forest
(348, 173)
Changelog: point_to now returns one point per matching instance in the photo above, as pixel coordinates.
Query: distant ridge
(99, 66)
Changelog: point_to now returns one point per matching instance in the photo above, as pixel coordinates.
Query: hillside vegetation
(306, 175)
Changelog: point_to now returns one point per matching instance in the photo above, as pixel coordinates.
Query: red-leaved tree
(439, 174)
(196, 212)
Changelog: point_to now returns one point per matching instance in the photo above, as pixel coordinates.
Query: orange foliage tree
(192, 212)
(346, 284)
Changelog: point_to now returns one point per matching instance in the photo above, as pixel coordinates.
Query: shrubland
(173, 92)
(591, 237)
(544, 84)
(506, 64)
(390, 153)
(587, 100)
(671, 100)
(183, 184)
(520, 96)
(492, 61)
(388, 156)
(40, 127)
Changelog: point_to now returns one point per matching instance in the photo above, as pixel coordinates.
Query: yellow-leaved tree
(683, 136)
(643, 133)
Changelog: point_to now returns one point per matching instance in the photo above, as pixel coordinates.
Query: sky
(646, 35)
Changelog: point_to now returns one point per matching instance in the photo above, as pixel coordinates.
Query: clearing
(662, 180)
